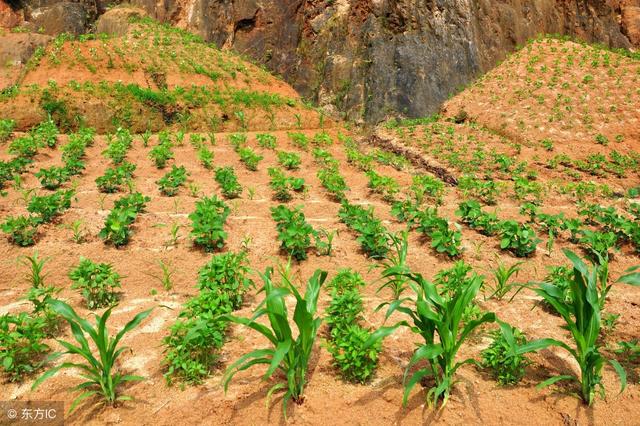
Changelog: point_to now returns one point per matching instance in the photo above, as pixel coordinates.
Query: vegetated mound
(557, 116)
(567, 92)
(152, 77)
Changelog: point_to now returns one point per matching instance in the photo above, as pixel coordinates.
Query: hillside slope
(171, 174)
(151, 77)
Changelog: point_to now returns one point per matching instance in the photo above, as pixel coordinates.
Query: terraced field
(190, 172)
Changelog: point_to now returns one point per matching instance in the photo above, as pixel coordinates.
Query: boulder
(65, 17)
(116, 21)
(15, 51)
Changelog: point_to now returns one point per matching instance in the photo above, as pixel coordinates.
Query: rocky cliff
(372, 59)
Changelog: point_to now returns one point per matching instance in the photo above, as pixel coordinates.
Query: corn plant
(287, 354)
(35, 264)
(99, 369)
(582, 314)
(396, 258)
(502, 274)
(165, 276)
(438, 319)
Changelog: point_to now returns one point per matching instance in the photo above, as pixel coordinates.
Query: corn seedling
(287, 354)
(99, 369)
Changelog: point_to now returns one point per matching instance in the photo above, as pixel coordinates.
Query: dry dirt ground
(476, 399)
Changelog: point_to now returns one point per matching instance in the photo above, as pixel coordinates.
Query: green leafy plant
(193, 340)
(207, 223)
(373, 236)
(299, 139)
(117, 224)
(282, 185)
(289, 160)
(206, 157)
(501, 358)
(97, 282)
(250, 158)
(347, 337)
(22, 344)
(53, 177)
(294, 233)
(98, 369)
(266, 140)
(383, 185)
(22, 230)
(226, 177)
(286, 354)
(48, 207)
(6, 129)
(161, 153)
(333, 182)
(520, 239)
(171, 182)
(114, 178)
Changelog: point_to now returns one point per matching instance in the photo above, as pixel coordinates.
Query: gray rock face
(59, 18)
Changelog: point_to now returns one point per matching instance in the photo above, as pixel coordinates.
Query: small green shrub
(22, 230)
(250, 158)
(161, 153)
(347, 338)
(520, 239)
(266, 140)
(6, 129)
(506, 366)
(97, 282)
(48, 207)
(282, 185)
(53, 177)
(114, 178)
(207, 223)
(117, 224)
(228, 181)
(294, 233)
(22, 344)
(171, 182)
(289, 160)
